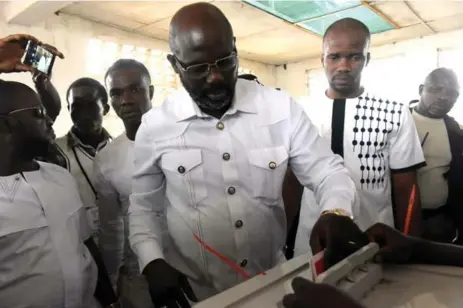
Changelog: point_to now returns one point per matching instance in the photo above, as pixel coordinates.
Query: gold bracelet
(339, 212)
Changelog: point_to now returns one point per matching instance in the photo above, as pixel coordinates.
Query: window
(452, 59)
(242, 70)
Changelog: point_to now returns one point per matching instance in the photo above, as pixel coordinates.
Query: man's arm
(104, 292)
(292, 196)
(48, 95)
(405, 157)
(111, 219)
(317, 167)
(147, 200)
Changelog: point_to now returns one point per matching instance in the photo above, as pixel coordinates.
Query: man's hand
(11, 52)
(395, 247)
(339, 235)
(308, 294)
(167, 286)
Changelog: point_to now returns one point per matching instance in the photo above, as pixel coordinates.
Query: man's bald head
(439, 93)
(442, 74)
(350, 27)
(198, 24)
(15, 95)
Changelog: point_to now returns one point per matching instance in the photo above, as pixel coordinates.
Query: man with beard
(212, 159)
(88, 103)
(130, 93)
(441, 180)
(46, 251)
(374, 134)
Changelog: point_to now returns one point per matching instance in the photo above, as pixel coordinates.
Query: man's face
(345, 55)
(86, 108)
(130, 94)
(439, 94)
(208, 72)
(33, 132)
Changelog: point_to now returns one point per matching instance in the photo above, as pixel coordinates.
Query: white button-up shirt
(44, 262)
(222, 180)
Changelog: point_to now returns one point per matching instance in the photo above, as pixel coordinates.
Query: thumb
(301, 285)
(186, 287)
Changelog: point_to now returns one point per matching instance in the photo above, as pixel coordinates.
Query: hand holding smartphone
(23, 52)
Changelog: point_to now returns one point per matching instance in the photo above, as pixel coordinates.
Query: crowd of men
(225, 180)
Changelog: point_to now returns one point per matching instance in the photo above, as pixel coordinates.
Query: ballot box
(406, 286)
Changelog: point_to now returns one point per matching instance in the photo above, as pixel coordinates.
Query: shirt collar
(245, 100)
(74, 141)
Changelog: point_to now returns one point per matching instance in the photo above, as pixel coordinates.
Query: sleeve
(111, 226)
(317, 167)
(405, 147)
(147, 200)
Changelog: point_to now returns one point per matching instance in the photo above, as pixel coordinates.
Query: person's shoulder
(105, 155)
(55, 171)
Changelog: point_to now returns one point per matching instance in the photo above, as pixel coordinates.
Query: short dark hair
(348, 24)
(89, 82)
(128, 63)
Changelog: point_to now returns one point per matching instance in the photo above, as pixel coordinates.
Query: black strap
(83, 171)
(337, 126)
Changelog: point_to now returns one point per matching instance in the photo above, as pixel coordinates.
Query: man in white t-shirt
(374, 134)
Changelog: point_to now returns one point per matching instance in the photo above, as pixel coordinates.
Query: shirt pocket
(268, 169)
(185, 175)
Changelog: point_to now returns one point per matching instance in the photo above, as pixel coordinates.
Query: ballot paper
(317, 264)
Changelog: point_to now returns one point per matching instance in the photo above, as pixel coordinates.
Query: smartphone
(38, 57)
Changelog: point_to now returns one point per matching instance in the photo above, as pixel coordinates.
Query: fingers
(18, 37)
(316, 243)
(181, 299)
(289, 301)
(53, 50)
(187, 288)
(301, 285)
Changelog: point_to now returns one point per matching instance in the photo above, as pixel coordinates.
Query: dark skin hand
(48, 94)
(402, 184)
(314, 295)
(339, 235)
(395, 247)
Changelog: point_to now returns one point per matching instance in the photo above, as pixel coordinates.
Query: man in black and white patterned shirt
(374, 134)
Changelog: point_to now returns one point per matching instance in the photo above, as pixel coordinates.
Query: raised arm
(48, 95)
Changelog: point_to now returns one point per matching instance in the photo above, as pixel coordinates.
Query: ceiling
(266, 38)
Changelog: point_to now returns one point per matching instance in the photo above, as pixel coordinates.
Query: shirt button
(220, 125)
(244, 263)
(181, 169)
(272, 165)
(231, 190)
(226, 156)
(238, 224)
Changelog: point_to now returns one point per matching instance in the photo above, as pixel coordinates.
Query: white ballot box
(407, 286)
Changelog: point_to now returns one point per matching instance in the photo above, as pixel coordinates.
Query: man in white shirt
(212, 159)
(130, 93)
(88, 104)
(47, 255)
(441, 180)
(374, 134)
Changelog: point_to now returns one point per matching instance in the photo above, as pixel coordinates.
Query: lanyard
(83, 171)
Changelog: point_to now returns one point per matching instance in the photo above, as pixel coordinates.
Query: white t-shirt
(379, 136)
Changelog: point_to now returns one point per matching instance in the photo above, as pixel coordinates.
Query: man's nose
(344, 65)
(127, 98)
(214, 75)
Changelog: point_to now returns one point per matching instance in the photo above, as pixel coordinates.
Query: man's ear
(173, 63)
(151, 91)
(5, 125)
(420, 89)
(368, 59)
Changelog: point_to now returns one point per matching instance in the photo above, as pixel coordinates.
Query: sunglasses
(39, 111)
(199, 71)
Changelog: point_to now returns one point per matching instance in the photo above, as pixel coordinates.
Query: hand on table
(168, 286)
(311, 295)
(12, 50)
(339, 235)
(395, 247)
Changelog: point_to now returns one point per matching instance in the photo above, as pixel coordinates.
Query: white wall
(71, 34)
(420, 51)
